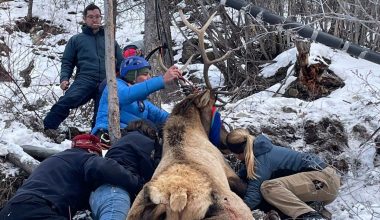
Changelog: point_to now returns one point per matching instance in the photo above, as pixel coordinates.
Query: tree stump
(314, 80)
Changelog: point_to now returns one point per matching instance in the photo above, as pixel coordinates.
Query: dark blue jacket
(134, 152)
(273, 162)
(86, 51)
(67, 179)
(130, 110)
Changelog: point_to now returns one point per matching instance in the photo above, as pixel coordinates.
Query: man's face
(93, 19)
(142, 77)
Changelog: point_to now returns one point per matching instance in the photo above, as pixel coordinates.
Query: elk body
(192, 180)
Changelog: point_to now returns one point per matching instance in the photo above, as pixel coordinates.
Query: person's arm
(155, 114)
(140, 91)
(68, 60)
(253, 195)
(99, 171)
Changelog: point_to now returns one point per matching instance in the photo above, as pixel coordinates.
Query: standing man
(86, 52)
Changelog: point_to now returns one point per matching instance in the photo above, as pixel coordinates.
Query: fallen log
(39, 153)
(24, 161)
(14, 154)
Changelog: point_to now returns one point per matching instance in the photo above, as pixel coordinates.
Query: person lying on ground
(134, 151)
(61, 185)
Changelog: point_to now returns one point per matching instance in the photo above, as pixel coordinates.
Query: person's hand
(64, 85)
(171, 74)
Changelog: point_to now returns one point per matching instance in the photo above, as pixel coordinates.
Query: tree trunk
(114, 14)
(25, 162)
(151, 41)
(113, 99)
(38, 153)
(30, 10)
(302, 63)
(157, 21)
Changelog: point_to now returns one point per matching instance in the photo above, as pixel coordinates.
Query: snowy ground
(357, 102)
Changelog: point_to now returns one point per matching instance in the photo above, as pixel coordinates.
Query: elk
(193, 180)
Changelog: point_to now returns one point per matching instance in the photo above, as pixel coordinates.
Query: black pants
(79, 93)
(29, 207)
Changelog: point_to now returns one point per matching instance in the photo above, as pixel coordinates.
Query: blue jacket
(133, 151)
(273, 162)
(66, 179)
(129, 98)
(86, 51)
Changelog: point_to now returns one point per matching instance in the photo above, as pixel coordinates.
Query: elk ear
(203, 99)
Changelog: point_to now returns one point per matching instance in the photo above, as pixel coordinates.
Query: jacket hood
(262, 145)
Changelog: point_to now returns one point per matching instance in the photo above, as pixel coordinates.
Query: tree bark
(113, 99)
(30, 10)
(38, 153)
(157, 21)
(25, 162)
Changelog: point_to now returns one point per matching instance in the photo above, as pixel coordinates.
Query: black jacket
(86, 52)
(133, 151)
(67, 179)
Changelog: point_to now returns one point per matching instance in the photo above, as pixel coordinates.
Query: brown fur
(192, 179)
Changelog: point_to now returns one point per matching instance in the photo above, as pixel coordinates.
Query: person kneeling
(285, 178)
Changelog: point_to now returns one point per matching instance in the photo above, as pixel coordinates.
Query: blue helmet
(133, 63)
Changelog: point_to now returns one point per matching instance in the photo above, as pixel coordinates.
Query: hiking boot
(54, 135)
(311, 216)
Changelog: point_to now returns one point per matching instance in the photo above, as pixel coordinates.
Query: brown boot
(54, 135)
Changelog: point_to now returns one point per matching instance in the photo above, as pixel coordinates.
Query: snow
(357, 102)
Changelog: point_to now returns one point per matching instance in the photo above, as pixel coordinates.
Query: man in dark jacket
(61, 185)
(134, 151)
(86, 52)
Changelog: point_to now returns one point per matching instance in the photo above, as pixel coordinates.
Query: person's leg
(96, 97)
(110, 202)
(28, 207)
(79, 93)
(290, 193)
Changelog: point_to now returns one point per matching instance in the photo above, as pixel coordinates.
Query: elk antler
(182, 81)
(162, 65)
(201, 46)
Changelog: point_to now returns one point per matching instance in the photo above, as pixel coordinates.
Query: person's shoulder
(75, 37)
(262, 145)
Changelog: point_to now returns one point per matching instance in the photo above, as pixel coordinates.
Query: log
(39, 153)
(25, 161)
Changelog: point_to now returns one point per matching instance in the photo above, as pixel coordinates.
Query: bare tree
(30, 10)
(113, 99)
